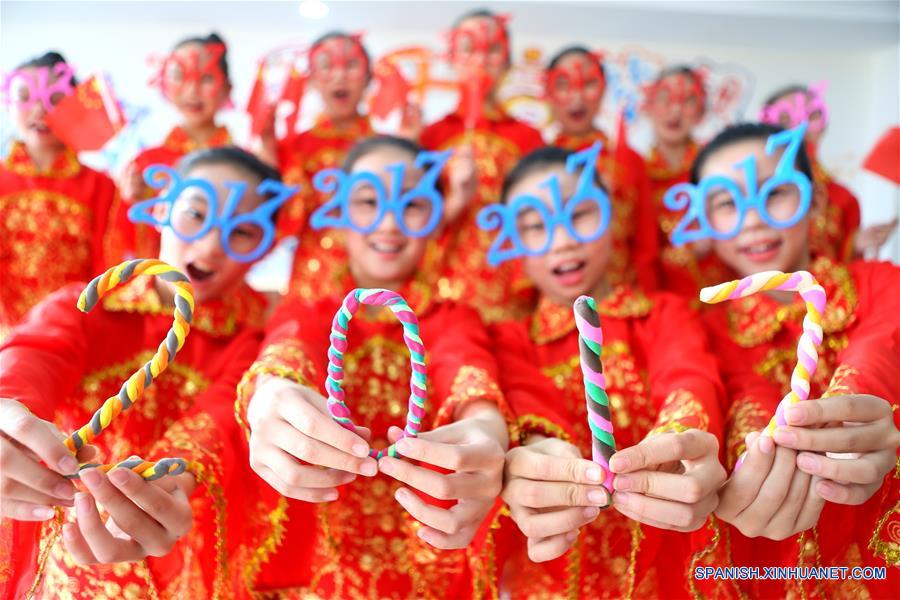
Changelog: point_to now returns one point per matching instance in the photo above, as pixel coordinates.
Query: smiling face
(570, 268)
(480, 44)
(340, 73)
(194, 83)
(575, 88)
(757, 246)
(675, 108)
(29, 106)
(212, 272)
(385, 258)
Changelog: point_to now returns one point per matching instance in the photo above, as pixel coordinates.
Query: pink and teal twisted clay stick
(418, 383)
(590, 345)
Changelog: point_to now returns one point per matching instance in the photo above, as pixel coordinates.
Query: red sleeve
(209, 437)
(294, 348)
(869, 365)
(530, 139)
(45, 357)
(106, 201)
(529, 393)
(461, 367)
(684, 379)
(433, 136)
(851, 218)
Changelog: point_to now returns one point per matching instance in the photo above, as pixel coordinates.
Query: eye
(208, 79)
(57, 97)
(245, 232)
(366, 201)
(417, 205)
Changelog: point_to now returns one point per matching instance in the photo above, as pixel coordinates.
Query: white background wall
(855, 45)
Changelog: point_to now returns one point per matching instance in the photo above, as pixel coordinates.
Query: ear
(160, 212)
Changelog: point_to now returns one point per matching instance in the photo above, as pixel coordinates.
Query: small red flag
(292, 92)
(884, 158)
(89, 117)
(258, 106)
(391, 90)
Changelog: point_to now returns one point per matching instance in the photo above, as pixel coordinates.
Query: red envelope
(884, 158)
(89, 117)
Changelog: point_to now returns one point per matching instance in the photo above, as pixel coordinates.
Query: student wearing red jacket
(486, 142)
(194, 80)
(343, 524)
(576, 84)
(60, 365)
(665, 397)
(792, 502)
(54, 211)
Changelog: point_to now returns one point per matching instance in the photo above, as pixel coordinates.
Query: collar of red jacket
(757, 319)
(18, 161)
(180, 142)
(552, 321)
(658, 168)
(582, 141)
(221, 318)
(360, 128)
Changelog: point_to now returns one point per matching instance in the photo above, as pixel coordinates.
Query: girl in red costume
(54, 211)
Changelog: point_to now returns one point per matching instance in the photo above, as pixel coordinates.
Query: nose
(388, 223)
(210, 246)
(562, 240)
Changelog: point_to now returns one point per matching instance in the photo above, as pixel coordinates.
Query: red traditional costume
(52, 225)
(63, 364)
(681, 270)
(660, 377)
(129, 240)
(320, 254)
(499, 141)
(833, 229)
(364, 545)
(635, 247)
(755, 339)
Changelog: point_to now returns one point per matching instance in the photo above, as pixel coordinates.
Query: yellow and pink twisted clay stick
(811, 339)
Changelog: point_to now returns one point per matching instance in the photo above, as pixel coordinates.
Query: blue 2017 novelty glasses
(527, 223)
(362, 202)
(718, 205)
(193, 210)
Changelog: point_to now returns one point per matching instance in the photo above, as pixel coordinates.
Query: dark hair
(377, 142)
(342, 35)
(735, 134)
(228, 155)
(484, 13)
(48, 59)
(575, 49)
(212, 39)
(538, 160)
(680, 69)
(794, 88)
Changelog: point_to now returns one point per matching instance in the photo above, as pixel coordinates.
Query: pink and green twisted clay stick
(590, 345)
(811, 339)
(417, 385)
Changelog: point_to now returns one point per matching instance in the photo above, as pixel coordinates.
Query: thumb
(364, 432)
(394, 433)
